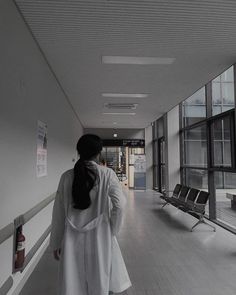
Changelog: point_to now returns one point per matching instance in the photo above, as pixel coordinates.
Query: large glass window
(212, 135)
(223, 92)
(194, 108)
(221, 142)
(196, 178)
(195, 147)
(225, 191)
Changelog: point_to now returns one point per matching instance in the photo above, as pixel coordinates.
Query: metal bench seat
(175, 194)
(181, 200)
(189, 200)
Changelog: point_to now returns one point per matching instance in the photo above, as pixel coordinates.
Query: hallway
(162, 256)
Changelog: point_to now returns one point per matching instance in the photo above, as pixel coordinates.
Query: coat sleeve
(118, 201)
(58, 218)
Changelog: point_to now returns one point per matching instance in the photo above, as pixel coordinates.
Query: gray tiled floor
(162, 256)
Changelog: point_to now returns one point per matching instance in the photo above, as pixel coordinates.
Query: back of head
(89, 146)
(85, 176)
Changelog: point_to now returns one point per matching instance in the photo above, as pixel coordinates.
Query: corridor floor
(162, 256)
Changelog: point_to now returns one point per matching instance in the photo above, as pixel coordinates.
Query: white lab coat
(91, 262)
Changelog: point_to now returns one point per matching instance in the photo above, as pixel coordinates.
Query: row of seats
(189, 200)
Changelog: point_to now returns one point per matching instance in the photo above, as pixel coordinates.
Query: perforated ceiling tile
(74, 35)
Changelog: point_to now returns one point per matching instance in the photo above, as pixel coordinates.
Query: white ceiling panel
(74, 35)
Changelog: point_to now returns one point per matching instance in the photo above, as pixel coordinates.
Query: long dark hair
(85, 176)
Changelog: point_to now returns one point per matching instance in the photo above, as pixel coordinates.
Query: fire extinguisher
(20, 249)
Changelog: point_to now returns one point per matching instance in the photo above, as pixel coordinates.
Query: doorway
(121, 160)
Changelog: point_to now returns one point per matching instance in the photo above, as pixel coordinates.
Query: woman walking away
(87, 216)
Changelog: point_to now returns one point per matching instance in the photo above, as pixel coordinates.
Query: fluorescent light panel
(125, 95)
(127, 114)
(135, 60)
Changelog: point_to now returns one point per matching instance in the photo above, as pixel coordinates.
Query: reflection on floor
(162, 256)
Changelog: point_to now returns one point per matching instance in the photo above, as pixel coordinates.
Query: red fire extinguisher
(20, 249)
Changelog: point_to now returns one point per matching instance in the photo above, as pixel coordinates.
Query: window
(194, 108)
(212, 136)
(195, 147)
(196, 178)
(223, 92)
(225, 190)
(221, 142)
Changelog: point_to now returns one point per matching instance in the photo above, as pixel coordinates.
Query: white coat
(91, 262)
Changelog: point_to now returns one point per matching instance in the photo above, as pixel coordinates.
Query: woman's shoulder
(67, 174)
(106, 171)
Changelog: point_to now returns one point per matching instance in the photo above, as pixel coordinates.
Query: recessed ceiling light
(125, 95)
(135, 60)
(115, 135)
(121, 106)
(128, 114)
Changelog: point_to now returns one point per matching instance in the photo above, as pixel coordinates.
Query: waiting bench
(189, 200)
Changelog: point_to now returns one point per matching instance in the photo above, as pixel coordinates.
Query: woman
(87, 216)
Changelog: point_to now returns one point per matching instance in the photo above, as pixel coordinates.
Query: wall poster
(41, 166)
(139, 172)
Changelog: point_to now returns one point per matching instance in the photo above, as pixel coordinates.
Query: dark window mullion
(232, 141)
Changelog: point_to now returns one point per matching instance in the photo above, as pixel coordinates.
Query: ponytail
(85, 174)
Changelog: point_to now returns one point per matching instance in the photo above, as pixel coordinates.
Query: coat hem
(122, 288)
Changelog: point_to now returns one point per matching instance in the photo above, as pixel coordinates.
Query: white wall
(149, 157)
(107, 133)
(173, 154)
(29, 92)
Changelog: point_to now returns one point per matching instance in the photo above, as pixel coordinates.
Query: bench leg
(202, 220)
(164, 205)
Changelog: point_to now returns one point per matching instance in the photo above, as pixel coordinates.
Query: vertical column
(149, 157)
(171, 124)
(211, 182)
(234, 150)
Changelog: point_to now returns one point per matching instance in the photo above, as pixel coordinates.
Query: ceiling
(74, 35)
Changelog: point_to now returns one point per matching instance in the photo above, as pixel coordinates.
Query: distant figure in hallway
(87, 216)
(102, 161)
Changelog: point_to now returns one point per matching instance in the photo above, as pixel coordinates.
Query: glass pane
(160, 127)
(226, 128)
(154, 130)
(228, 94)
(223, 92)
(218, 154)
(195, 147)
(155, 152)
(194, 108)
(221, 142)
(196, 178)
(163, 182)
(155, 178)
(227, 153)
(228, 76)
(162, 147)
(225, 184)
(216, 94)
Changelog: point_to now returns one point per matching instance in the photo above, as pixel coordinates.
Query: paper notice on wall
(41, 166)
(139, 172)
(140, 163)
